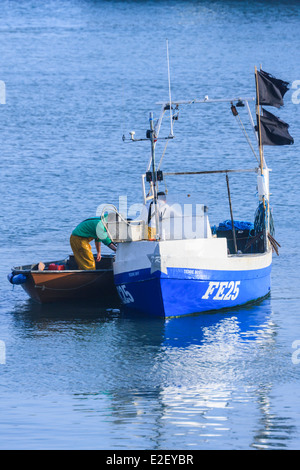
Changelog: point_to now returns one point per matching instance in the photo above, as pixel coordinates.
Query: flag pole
(259, 126)
(262, 164)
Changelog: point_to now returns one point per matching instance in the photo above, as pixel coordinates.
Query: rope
(259, 220)
(104, 209)
(163, 154)
(260, 227)
(241, 125)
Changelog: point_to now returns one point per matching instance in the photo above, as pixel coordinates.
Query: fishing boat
(169, 269)
(172, 262)
(58, 281)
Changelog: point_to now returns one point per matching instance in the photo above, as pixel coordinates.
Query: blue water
(78, 75)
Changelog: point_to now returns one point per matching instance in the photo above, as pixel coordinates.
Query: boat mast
(154, 179)
(170, 99)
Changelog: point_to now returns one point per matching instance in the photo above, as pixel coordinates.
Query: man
(82, 235)
(169, 216)
(148, 213)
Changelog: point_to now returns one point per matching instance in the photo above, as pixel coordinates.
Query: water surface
(78, 75)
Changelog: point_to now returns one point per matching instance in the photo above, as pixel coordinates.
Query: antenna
(169, 80)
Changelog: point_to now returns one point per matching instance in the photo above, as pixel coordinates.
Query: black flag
(273, 131)
(270, 90)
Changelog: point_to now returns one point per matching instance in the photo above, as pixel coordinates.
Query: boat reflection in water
(251, 322)
(189, 376)
(246, 323)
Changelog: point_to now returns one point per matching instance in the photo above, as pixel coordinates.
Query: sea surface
(78, 75)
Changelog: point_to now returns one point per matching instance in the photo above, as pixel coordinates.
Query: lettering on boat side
(153, 459)
(2, 352)
(125, 296)
(134, 273)
(222, 290)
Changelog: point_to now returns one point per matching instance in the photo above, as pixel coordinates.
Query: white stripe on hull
(206, 254)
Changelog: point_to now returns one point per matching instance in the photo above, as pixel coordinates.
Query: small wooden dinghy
(61, 280)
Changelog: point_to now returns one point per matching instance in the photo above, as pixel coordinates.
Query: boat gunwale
(251, 255)
(46, 271)
(32, 268)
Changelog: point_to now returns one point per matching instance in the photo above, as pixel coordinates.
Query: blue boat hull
(180, 292)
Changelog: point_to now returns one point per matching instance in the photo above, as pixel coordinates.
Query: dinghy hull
(48, 286)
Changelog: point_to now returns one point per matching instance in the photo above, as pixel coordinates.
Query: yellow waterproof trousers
(151, 233)
(83, 252)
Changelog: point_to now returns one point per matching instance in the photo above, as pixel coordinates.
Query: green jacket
(92, 228)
